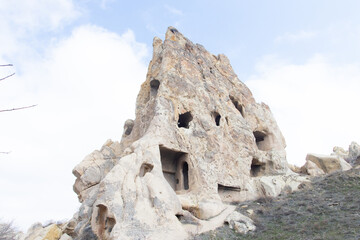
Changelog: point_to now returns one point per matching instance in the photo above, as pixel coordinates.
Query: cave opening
(105, 223)
(229, 194)
(145, 168)
(237, 105)
(217, 118)
(257, 168)
(175, 168)
(262, 140)
(185, 171)
(154, 86)
(184, 120)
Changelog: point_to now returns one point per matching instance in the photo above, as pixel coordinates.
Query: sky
(82, 62)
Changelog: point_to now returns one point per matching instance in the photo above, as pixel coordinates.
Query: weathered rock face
(312, 169)
(199, 140)
(352, 156)
(37, 231)
(328, 164)
(240, 223)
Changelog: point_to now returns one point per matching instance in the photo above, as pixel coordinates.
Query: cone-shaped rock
(199, 141)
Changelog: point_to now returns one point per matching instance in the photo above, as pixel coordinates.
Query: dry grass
(329, 208)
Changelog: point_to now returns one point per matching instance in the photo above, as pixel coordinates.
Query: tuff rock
(65, 237)
(38, 232)
(311, 169)
(352, 156)
(327, 163)
(199, 141)
(240, 223)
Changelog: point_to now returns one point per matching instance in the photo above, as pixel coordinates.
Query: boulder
(272, 186)
(328, 163)
(240, 223)
(295, 168)
(312, 169)
(352, 156)
(209, 209)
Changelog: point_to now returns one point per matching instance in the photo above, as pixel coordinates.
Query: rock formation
(50, 232)
(199, 141)
(339, 160)
(352, 156)
(326, 163)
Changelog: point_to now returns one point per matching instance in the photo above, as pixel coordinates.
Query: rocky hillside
(327, 208)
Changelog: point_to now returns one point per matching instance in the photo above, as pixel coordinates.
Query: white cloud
(293, 37)
(104, 3)
(315, 103)
(22, 22)
(37, 15)
(173, 10)
(85, 87)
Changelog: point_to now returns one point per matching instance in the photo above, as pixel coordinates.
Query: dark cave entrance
(175, 168)
(184, 120)
(154, 86)
(185, 170)
(262, 140)
(217, 118)
(257, 168)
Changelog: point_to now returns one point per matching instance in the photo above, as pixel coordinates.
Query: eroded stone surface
(312, 169)
(328, 163)
(38, 232)
(352, 156)
(240, 223)
(65, 237)
(199, 140)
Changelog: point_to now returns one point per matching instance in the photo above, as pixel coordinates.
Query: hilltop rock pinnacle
(199, 142)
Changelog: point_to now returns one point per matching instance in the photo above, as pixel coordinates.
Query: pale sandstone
(65, 237)
(240, 223)
(312, 169)
(199, 141)
(328, 163)
(295, 168)
(38, 232)
(352, 156)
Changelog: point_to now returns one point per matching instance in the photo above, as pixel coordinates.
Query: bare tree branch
(6, 65)
(13, 109)
(7, 226)
(7, 76)
(7, 231)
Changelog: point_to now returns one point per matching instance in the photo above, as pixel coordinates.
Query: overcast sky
(82, 62)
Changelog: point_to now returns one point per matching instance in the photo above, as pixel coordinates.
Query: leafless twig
(19, 108)
(7, 76)
(6, 65)
(7, 231)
